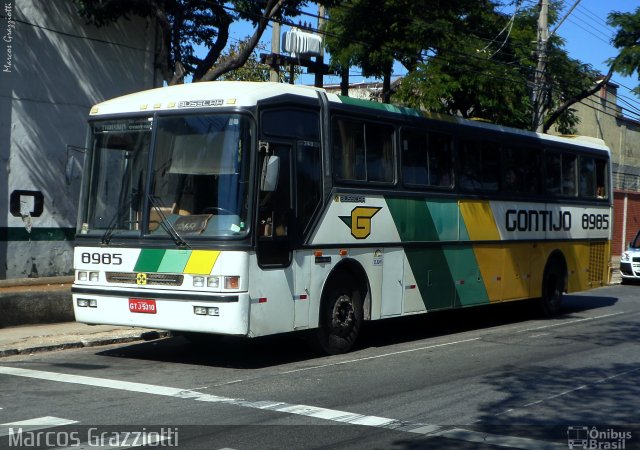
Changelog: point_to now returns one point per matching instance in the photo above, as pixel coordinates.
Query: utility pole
(319, 75)
(539, 84)
(274, 73)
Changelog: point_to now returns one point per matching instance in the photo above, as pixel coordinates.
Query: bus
(250, 209)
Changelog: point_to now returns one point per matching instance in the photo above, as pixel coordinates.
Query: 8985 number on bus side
(101, 258)
(595, 221)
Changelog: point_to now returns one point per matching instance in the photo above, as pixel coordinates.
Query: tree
(252, 70)
(464, 58)
(185, 24)
(627, 39)
(481, 73)
(372, 34)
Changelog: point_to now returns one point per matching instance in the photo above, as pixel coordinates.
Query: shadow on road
(270, 351)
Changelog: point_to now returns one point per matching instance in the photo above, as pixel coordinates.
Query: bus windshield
(197, 185)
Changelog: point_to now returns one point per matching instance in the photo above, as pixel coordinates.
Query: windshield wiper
(166, 225)
(110, 231)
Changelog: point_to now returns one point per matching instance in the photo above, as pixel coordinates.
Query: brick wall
(633, 219)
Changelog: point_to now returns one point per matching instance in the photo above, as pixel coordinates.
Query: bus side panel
(272, 298)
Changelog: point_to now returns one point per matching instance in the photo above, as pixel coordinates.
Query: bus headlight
(213, 282)
(198, 281)
(625, 257)
(83, 275)
(87, 303)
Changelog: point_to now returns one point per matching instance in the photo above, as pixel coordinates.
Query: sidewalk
(36, 315)
(28, 339)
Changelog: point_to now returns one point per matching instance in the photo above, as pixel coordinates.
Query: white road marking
(384, 355)
(569, 391)
(39, 423)
(570, 322)
(428, 430)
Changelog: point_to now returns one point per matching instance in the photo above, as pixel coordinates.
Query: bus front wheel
(341, 316)
(552, 288)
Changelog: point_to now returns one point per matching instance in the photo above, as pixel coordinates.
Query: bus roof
(243, 93)
(199, 95)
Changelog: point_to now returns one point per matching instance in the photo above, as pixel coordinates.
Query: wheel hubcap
(343, 314)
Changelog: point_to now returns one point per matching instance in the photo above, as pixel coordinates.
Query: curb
(83, 342)
(31, 301)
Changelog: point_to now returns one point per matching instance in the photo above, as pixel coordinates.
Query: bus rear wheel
(341, 316)
(552, 288)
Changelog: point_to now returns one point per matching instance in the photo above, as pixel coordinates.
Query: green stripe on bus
(464, 268)
(446, 275)
(445, 217)
(174, 261)
(433, 277)
(380, 106)
(413, 219)
(20, 234)
(149, 260)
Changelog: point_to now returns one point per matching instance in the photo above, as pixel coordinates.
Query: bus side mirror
(270, 172)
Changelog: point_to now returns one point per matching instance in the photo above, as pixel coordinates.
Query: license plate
(142, 305)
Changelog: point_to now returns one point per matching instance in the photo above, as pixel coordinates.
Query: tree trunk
(575, 99)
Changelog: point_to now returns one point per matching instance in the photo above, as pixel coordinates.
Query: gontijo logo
(360, 221)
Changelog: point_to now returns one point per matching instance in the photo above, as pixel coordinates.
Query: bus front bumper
(168, 310)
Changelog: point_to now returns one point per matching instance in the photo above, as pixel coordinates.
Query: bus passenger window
(471, 165)
(440, 159)
(415, 163)
(379, 148)
(522, 167)
(553, 171)
(480, 166)
(602, 176)
(587, 177)
(569, 185)
(348, 150)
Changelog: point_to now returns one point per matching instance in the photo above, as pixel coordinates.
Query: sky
(586, 33)
(588, 39)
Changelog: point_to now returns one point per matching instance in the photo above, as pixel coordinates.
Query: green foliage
(627, 39)
(252, 70)
(188, 24)
(462, 57)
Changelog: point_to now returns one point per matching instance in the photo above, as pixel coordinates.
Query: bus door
(307, 198)
(275, 207)
(285, 216)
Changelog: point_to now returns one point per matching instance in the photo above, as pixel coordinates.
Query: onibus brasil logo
(360, 221)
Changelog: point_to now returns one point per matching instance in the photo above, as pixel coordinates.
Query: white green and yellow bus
(250, 209)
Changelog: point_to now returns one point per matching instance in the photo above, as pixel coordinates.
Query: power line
(585, 11)
(77, 36)
(440, 57)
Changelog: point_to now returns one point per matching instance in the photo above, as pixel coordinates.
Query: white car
(630, 261)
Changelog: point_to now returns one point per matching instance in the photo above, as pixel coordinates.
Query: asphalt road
(490, 377)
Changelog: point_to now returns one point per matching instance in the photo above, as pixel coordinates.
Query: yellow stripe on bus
(479, 220)
(201, 262)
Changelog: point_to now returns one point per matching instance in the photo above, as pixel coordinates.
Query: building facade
(53, 68)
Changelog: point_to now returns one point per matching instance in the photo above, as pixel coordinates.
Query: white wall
(53, 68)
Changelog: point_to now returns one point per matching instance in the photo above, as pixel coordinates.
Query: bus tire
(552, 289)
(341, 317)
